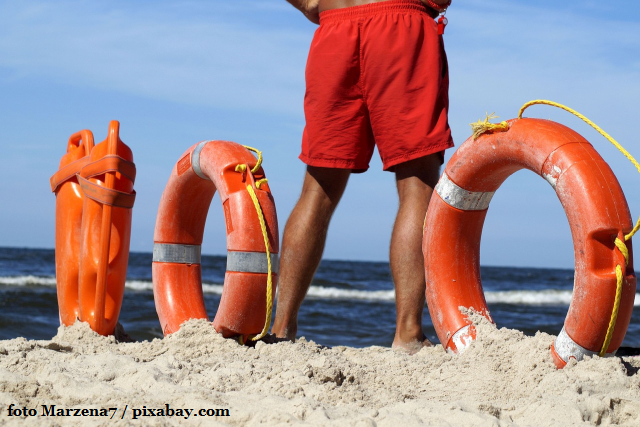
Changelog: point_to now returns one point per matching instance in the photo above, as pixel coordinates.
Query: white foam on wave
(543, 297)
(28, 280)
(209, 288)
(139, 285)
(321, 292)
(136, 285)
(143, 285)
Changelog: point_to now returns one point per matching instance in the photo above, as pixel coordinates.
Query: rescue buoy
(252, 240)
(93, 229)
(598, 216)
(69, 201)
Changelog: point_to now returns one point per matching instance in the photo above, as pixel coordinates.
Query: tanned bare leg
(303, 243)
(415, 181)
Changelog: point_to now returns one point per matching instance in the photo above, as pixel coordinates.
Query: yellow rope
(614, 312)
(483, 126)
(260, 182)
(620, 245)
(242, 168)
(616, 304)
(263, 226)
(259, 153)
(622, 248)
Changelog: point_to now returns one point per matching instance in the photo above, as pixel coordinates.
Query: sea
(350, 303)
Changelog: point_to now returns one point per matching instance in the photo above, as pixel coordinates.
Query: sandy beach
(503, 379)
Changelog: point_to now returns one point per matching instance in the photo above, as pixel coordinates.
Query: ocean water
(349, 303)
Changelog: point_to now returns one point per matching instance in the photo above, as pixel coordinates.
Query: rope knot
(484, 126)
(622, 247)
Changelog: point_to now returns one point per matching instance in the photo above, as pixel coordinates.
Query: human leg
(303, 243)
(415, 181)
(337, 139)
(406, 82)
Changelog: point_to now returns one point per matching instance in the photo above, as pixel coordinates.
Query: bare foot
(273, 339)
(285, 331)
(411, 347)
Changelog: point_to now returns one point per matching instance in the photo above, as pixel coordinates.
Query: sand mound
(503, 379)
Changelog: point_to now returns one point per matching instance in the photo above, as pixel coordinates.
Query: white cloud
(199, 55)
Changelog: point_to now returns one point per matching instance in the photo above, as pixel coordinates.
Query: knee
(323, 188)
(424, 171)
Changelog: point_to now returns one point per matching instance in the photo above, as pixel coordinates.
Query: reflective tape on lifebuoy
(251, 262)
(595, 207)
(459, 198)
(205, 168)
(195, 160)
(178, 254)
(567, 348)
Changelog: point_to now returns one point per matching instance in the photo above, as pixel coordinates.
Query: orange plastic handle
(113, 136)
(85, 136)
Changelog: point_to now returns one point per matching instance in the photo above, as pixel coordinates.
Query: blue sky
(176, 73)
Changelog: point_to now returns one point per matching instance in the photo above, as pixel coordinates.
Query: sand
(503, 379)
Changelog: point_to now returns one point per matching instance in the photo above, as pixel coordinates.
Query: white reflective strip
(251, 262)
(175, 253)
(195, 160)
(462, 339)
(553, 176)
(460, 198)
(568, 348)
(551, 179)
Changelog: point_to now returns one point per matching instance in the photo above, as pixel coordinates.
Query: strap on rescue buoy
(108, 196)
(110, 163)
(66, 173)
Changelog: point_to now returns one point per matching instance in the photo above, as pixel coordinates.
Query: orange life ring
(593, 202)
(177, 279)
(93, 228)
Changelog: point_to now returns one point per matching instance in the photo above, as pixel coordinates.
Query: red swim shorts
(376, 75)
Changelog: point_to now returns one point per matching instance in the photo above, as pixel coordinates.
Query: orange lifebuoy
(177, 277)
(595, 207)
(93, 229)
